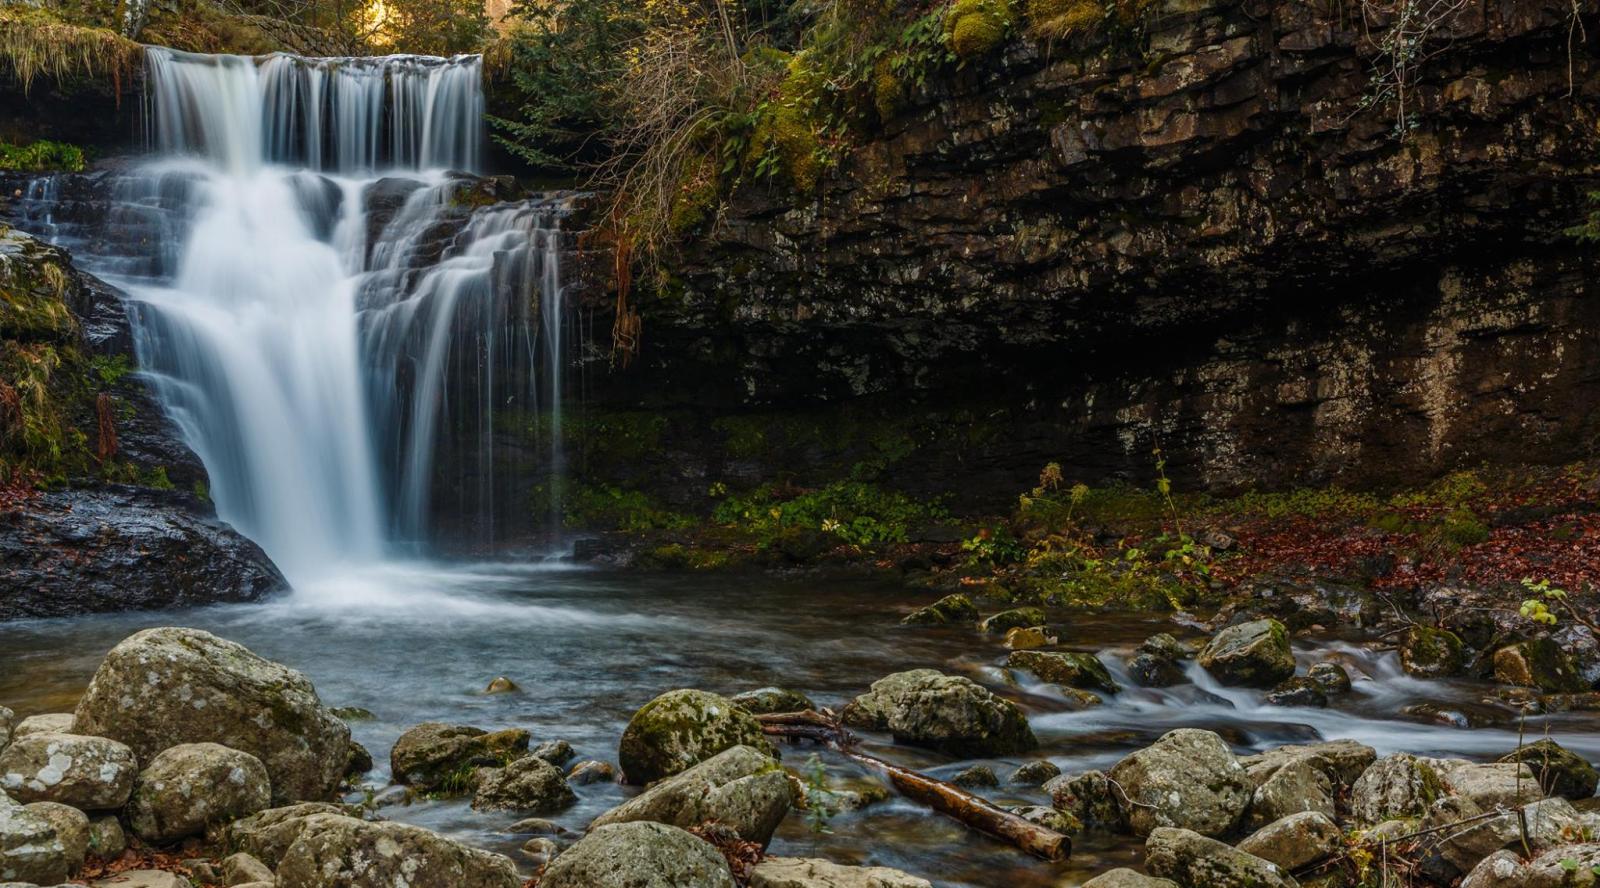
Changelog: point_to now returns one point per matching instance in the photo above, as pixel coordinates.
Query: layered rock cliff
(1220, 243)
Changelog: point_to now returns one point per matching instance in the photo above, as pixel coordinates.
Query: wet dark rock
(528, 785)
(1016, 618)
(360, 761)
(1188, 778)
(1539, 663)
(1089, 797)
(1166, 646)
(434, 755)
(250, 704)
(1254, 654)
(924, 707)
(948, 610)
(501, 685)
(1049, 818)
(1069, 669)
(1297, 692)
(1034, 773)
(681, 729)
(1430, 652)
(586, 772)
(1560, 771)
(1330, 677)
(976, 777)
(1462, 715)
(1155, 671)
(764, 701)
(556, 752)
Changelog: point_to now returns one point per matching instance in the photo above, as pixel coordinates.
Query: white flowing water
(320, 309)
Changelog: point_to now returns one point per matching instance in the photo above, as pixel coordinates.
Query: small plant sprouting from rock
(819, 799)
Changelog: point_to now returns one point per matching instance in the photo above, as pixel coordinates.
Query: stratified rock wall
(1216, 246)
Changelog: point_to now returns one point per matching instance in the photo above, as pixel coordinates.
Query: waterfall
(328, 304)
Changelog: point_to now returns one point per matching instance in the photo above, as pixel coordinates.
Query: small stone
(107, 841)
(206, 872)
(1332, 678)
(1298, 692)
(51, 723)
(437, 756)
(537, 826)
(1016, 618)
(950, 609)
(765, 701)
(1028, 638)
(188, 787)
(1049, 818)
(1163, 645)
(72, 830)
(360, 761)
(587, 772)
(238, 869)
(8, 725)
(977, 776)
(1428, 652)
(88, 773)
(556, 752)
(529, 784)
(352, 713)
(541, 849)
(1088, 797)
(1034, 773)
(501, 685)
(1254, 654)
(1152, 671)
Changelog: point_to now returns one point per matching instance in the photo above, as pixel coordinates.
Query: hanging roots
(628, 328)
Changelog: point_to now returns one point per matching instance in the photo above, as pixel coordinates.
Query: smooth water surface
(415, 643)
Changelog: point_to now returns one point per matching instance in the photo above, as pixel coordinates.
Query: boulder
(1299, 786)
(1088, 797)
(1016, 618)
(976, 777)
(501, 685)
(1028, 638)
(1254, 654)
(1152, 671)
(1188, 779)
(681, 729)
(587, 772)
(810, 872)
(1343, 761)
(107, 841)
(1188, 858)
(1502, 869)
(741, 788)
(764, 701)
(1296, 840)
(1570, 866)
(1538, 664)
(241, 868)
(529, 785)
(88, 773)
(359, 761)
(924, 707)
(1489, 786)
(437, 756)
(1163, 645)
(1122, 877)
(143, 879)
(1431, 653)
(950, 609)
(1544, 824)
(1332, 678)
(1560, 771)
(30, 850)
(638, 855)
(1073, 670)
(556, 752)
(72, 830)
(1297, 692)
(334, 850)
(541, 850)
(1034, 773)
(189, 787)
(49, 723)
(165, 687)
(8, 726)
(268, 834)
(1395, 787)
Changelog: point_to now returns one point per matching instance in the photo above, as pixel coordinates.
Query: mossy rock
(973, 28)
(924, 707)
(1539, 663)
(1431, 653)
(439, 757)
(680, 729)
(1016, 618)
(1066, 668)
(955, 608)
(764, 701)
(1254, 654)
(1560, 771)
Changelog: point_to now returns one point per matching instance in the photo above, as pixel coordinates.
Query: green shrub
(42, 156)
(857, 513)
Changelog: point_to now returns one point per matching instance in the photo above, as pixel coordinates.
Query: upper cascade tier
(340, 115)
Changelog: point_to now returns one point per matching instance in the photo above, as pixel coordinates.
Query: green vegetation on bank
(42, 156)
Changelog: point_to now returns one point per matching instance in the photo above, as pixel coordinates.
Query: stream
(418, 642)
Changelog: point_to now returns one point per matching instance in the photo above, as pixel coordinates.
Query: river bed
(414, 643)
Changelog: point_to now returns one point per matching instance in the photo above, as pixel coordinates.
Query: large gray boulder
(810, 872)
(1296, 840)
(1188, 858)
(680, 729)
(1541, 825)
(437, 756)
(8, 724)
(529, 785)
(88, 773)
(741, 788)
(925, 707)
(1393, 788)
(1343, 761)
(267, 835)
(30, 850)
(1187, 779)
(1489, 785)
(637, 855)
(1122, 877)
(165, 687)
(1254, 654)
(1296, 787)
(1570, 866)
(334, 850)
(189, 787)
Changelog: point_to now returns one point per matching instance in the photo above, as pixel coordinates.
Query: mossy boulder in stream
(950, 609)
(1016, 618)
(529, 785)
(1430, 652)
(1066, 668)
(163, 687)
(1539, 663)
(681, 729)
(925, 707)
(435, 756)
(742, 788)
(1254, 654)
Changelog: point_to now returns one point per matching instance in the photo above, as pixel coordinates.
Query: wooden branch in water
(948, 799)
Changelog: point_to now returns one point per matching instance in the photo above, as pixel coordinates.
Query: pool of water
(414, 643)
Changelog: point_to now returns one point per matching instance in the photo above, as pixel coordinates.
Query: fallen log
(946, 798)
